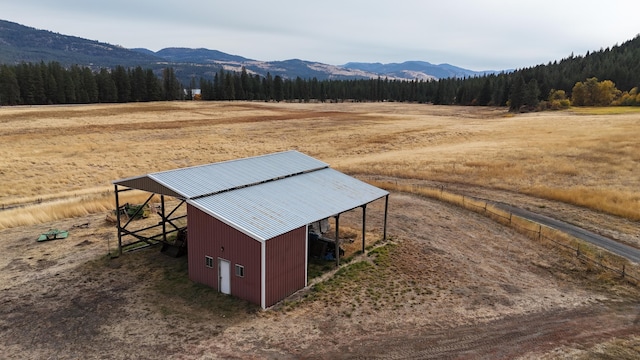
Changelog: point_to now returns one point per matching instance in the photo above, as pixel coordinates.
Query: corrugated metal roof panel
(147, 184)
(208, 179)
(270, 209)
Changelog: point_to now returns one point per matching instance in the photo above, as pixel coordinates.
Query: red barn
(248, 218)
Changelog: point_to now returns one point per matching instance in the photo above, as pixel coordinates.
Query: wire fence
(585, 252)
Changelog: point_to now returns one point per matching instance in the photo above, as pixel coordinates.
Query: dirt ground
(457, 285)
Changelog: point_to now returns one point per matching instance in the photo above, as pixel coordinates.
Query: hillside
(418, 70)
(192, 62)
(297, 79)
(618, 63)
(198, 56)
(19, 43)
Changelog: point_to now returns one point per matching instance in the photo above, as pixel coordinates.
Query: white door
(224, 282)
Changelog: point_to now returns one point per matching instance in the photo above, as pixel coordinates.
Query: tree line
(573, 80)
(50, 84)
(511, 90)
(227, 85)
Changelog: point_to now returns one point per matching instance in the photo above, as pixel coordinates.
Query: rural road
(497, 199)
(626, 251)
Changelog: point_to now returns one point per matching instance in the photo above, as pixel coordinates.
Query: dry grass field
(53, 153)
(450, 283)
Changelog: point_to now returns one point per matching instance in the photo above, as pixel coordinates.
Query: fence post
(485, 207)
(510, 215)
(578, 251)
(623, 270)
(539, 232)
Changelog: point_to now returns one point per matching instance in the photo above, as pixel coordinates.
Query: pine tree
(516, 97)
(278, 88)
(171, 87)
(69, 88)
(81, 94)
(531, 94)
(107, 90)
(485, 94)
(267, 87)
(123, 84)
(154, 87)
(90, 86)
(56, 71)
(138, 85)
(206, 88)
(9, 88)
(229, 87)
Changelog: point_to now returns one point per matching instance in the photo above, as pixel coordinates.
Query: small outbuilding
(248, 219)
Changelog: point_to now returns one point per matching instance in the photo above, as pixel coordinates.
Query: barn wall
(207, 236)
(285, 265)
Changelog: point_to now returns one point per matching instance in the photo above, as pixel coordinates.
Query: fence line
(513, 220)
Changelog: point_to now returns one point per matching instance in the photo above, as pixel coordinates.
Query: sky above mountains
(477, 35)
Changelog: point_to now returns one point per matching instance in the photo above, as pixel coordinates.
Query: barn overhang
(149, 235)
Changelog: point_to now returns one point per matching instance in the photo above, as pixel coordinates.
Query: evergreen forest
(609, 76)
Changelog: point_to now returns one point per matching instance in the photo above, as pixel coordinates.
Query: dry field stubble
(477, 274)
(62, 152)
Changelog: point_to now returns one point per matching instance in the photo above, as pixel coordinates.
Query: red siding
(207, 237)
(285, 265)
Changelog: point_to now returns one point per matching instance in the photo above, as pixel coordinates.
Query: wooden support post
(164, 220)
(386, 211)
(337, 243)
(364, 225)
(118, 221)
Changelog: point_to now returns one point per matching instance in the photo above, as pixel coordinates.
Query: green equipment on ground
(53, 234)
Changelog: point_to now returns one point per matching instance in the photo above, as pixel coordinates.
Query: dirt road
(530, 336)
(616, 247)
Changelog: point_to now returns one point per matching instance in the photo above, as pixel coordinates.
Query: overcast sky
(477, 35)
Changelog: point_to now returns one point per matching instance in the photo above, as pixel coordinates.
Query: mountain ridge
(20, 43)
(438, 71)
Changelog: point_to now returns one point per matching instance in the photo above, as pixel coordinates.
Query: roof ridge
(256, 183)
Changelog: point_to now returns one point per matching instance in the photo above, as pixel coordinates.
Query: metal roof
(209, 179)
(275, 208)
(263, 196)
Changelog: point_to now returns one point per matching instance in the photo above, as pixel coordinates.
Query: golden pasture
(63, 158)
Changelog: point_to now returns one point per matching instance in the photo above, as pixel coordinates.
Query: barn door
(224, 282)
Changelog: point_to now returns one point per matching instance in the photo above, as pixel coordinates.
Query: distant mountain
(417, 70)
(199, 56)
(19, 43)
(289, 69)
